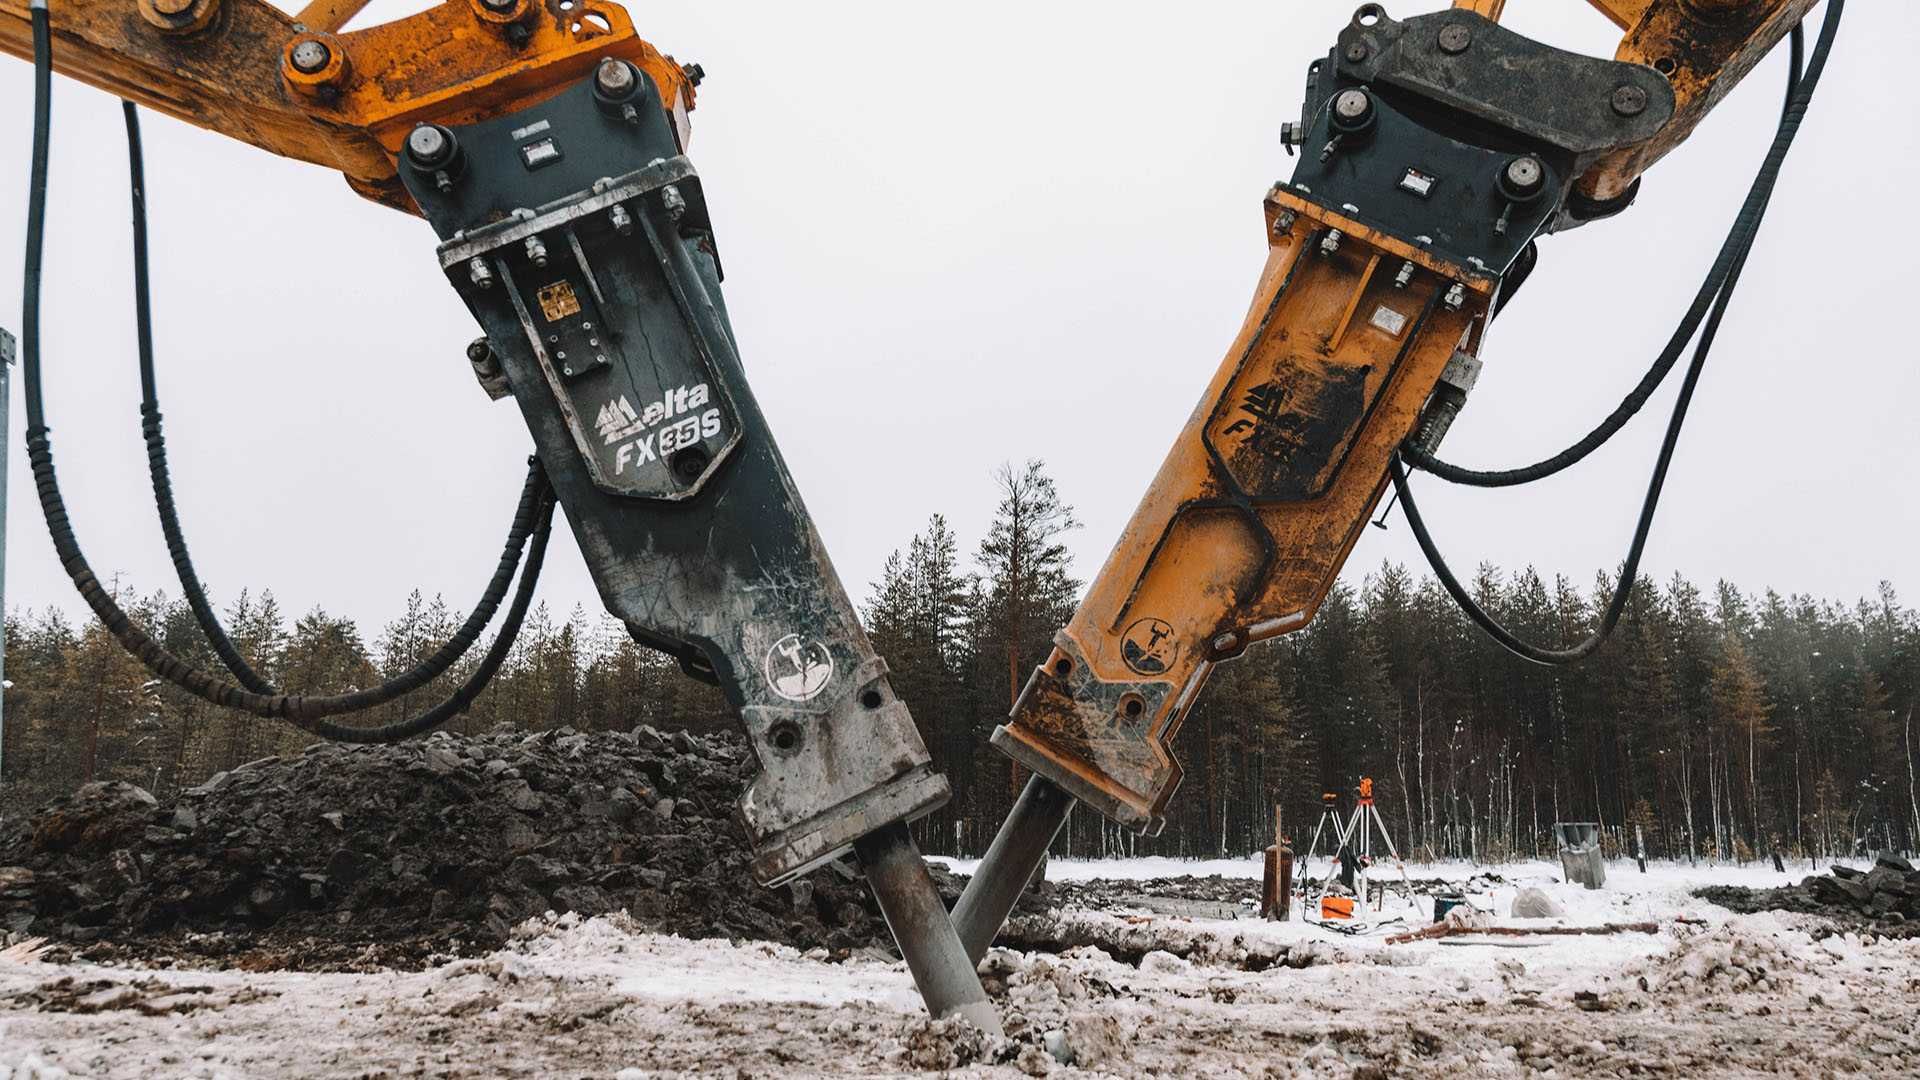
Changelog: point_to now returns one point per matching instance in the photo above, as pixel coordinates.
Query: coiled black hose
(1746, 225)
(529, 534)
(1800, 88)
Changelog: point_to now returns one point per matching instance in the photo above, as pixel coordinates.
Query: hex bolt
(1405, 276)
(1455, 38)
(479, 272)
(536, 251)
(622, 221)
(1629, 100)
(310, 57)
(179, 18)
(615, 79)
(1291, 134)
(695, 74)
(675, 203)
(1456, 297)
(1283, 222)
(1330, 243)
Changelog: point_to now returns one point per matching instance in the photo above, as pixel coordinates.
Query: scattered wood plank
(1442, 930)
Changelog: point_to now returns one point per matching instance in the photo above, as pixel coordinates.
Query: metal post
(899, 879)
(1009, 864)
(6, 404)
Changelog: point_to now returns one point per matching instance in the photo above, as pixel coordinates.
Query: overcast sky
(957, 236)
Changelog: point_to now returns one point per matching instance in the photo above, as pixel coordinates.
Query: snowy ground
(1735, 996)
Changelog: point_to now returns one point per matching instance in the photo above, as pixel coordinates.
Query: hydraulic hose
(429, 668)
(1800, 89)
(1746, 225)
(533, 517)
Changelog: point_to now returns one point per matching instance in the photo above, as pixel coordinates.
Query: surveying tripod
(1351, 854)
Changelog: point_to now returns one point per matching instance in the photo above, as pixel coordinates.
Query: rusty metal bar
(329, 15)
(1623, 13)
(899, 879)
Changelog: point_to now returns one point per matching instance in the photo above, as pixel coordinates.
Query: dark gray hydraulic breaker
(578, 235)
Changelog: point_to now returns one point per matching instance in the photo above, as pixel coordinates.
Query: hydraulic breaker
(578, 235)
(1432, 153)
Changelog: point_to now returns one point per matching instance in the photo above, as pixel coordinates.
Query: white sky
(958, 236)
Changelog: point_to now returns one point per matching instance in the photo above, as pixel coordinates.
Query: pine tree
(1740, 707)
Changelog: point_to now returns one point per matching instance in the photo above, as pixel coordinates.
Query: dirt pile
(1887, 897)
(353, 856)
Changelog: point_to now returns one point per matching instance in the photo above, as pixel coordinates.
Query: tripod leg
(1391, 850)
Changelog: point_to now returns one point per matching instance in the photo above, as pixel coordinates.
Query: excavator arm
(303, 87)
(545, 144)
(1434, 151)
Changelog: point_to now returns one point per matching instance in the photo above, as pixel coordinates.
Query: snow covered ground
(1729, 996)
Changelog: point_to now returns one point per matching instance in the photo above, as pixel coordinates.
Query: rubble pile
(1886, 896)
(427, 847)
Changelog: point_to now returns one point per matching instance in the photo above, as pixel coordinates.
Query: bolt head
(1455, 37)
(173, 7)
(1525, 173)
(429, 145)
(311, 56)
(1629, 100)
(1352, 104)
(614, 78)
(694, 72)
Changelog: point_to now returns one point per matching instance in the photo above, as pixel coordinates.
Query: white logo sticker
(618, 419)
(798, 668)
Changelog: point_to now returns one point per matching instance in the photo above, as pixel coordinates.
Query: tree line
(1715, 724)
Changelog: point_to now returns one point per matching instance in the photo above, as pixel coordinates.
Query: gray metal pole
(6, 406)
(898, 876)
(1009, 864)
